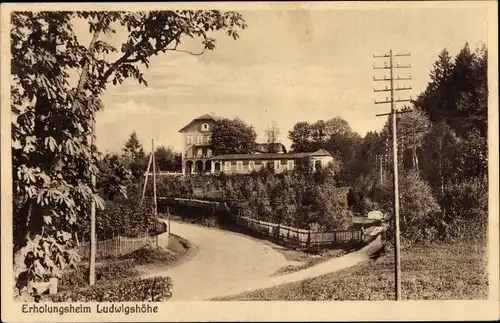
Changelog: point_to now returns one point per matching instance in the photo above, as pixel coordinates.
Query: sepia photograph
(159, 155)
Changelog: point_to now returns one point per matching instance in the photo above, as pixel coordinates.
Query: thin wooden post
(146, 179)
(154, 177)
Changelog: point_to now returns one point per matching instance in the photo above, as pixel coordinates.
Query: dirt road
(228, 263)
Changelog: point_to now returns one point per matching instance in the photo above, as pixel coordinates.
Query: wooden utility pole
(391, 67)
(154, 176)
(146, 179)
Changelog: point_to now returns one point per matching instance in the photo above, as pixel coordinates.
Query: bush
(147, 255)
(419, 208)
(124, 216)
(155, 289)
(466, 209)
(79, 277)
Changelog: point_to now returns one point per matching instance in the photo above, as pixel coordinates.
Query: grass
(437, 272)
(150, 259)
(304, 259)
(143, 260)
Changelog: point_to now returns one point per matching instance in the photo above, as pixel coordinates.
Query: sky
(287, 66)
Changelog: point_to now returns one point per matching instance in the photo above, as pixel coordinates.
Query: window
(199, 139)
(264, 164)
(239, 165)
(199, 152)
(209, 152)
(277, 164)
(189, 140)
(290, 164)
(204, 127)
(189, 153)
(227, 165)
(208, 139)
(251, 165)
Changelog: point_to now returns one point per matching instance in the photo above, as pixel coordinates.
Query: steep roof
(200, 118)
(267, 156)
(321, 152)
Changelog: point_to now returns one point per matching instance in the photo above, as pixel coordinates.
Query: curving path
(229, 263)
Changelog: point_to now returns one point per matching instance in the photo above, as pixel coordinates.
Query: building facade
(197, 151)
(197, 154)
(280, 162)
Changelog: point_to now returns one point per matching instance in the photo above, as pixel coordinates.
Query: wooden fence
(302, 238)
(117, 246)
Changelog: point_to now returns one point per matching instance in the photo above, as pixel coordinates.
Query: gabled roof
(201, 118)
(321, 152)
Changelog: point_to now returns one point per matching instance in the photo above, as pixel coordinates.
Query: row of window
(199, 153)
(251, 165)
(199, 139)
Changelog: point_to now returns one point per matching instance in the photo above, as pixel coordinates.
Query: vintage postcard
(293, 161)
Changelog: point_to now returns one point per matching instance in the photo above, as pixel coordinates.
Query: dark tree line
(442, 153)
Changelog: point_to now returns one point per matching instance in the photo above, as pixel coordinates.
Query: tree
(300, 136)
(53, 122)
(418, 206)
(167, 159)
(364, 162)
(133, 148)
(440, 153)
(437, 98)
(411, 129)
(273, 133)
(233, 137)
(134, 156)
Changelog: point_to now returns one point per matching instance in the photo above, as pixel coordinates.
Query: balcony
(202, 156)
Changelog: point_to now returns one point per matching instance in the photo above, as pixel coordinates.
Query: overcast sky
(287, 66)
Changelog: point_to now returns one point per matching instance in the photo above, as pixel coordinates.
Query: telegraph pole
(391, 79)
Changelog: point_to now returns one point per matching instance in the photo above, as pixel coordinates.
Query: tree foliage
(52, 126)
(233, 137)
(167, 159)
(134, 157)
(273, 134)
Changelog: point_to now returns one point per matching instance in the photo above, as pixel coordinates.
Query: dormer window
(205, 127)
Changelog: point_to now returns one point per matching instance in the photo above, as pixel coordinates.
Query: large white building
(198, 157)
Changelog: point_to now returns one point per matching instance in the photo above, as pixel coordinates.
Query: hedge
(79, 277)
(155, 289)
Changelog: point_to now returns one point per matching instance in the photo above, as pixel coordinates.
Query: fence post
(119, 244)
(308, 243)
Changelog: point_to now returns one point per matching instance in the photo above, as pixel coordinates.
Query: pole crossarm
(381, 56)
(384, 79)
(389, 113)
(389, 89)
(381, 67)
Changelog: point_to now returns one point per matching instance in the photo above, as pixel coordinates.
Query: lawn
(437, 272)
(134, 265)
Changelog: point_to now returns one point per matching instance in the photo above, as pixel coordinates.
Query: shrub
(155, 289)
(147, 255)
(419, 208)
(79, 277)
(126, 217)
(466, 209)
